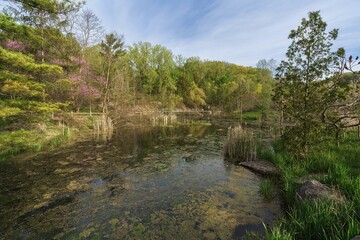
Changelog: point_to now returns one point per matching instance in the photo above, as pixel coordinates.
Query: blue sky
(237, 31)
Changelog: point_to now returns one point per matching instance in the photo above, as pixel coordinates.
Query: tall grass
(20, 141)
(337, 166)
(267, 188)
(240, 145)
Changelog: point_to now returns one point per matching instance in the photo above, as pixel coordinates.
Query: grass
(240, 145)
(15, 142)
(337, 166)
(267, 188)
(251, 116)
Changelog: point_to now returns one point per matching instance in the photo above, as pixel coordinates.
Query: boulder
(314, 190)
(262, 167)
(356, 238)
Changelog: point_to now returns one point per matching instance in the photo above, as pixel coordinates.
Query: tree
(47, 17)
(154, 70)
(269, 65)
(344, 109)
(111, 49)
(300, 89)
(89, 28)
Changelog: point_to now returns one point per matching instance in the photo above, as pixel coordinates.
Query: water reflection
(137, 185)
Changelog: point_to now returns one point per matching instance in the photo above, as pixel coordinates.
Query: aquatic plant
(240, 145)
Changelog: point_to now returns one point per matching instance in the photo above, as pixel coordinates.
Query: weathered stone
(301, 180)
(262, 167)
(314, 190)
(356, 238)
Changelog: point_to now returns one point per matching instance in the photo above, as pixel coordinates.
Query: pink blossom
(75, 78)
(88, 92)
(78, 60)
(14, 45)
(58, 62)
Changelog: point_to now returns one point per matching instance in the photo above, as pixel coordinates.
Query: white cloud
(231, 30)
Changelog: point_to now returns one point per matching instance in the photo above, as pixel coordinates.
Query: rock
(356, 238)
(301, 180)
(262, 167)
(314, 190)
(189, 158)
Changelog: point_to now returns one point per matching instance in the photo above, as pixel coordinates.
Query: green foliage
(11, 30)
(26, 63)
(153, 68)
(323, 220)
(301, 90)
(111, 49)
(15, 142)
(267, 188)
(21, 141)
(24, 90)
(278, 233)
(330, 165)
(9, 111)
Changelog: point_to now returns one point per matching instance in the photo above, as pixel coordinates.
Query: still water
(163, 182)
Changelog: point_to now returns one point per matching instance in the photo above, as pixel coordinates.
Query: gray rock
(314, 190)
(262, 167)
(356, 238)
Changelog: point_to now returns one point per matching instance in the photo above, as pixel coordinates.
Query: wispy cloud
(238, 31)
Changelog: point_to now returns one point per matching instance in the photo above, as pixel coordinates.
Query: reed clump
(240, 145)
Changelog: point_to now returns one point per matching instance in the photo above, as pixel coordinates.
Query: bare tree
(89, 30)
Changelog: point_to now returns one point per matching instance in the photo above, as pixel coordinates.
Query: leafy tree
(269, 65)
(47, 18)
(23, 84)
(300, 89)
(111, 49)
(154, 69)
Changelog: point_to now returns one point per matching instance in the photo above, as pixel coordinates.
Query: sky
(236, 31)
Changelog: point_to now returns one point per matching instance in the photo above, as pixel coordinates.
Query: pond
(146, 182)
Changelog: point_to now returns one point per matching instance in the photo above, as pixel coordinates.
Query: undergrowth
(337, 166)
